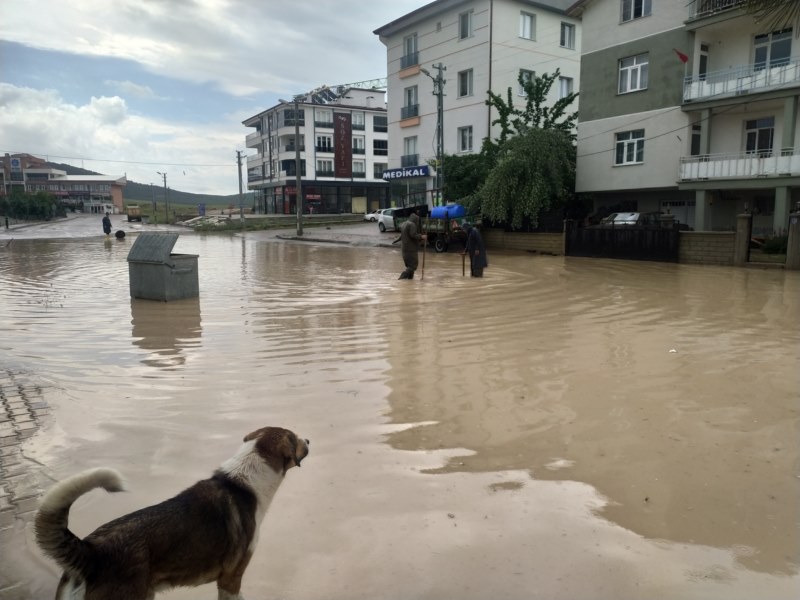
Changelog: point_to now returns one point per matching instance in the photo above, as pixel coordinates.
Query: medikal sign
(405, 172)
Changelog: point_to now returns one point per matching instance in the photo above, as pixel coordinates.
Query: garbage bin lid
(153, 248)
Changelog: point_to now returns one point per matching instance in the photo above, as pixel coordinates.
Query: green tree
(777, 14)
(535, 172)
(465, 174)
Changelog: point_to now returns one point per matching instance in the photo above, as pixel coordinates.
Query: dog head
(280, 448)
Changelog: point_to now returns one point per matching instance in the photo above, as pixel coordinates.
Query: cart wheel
(440, 244)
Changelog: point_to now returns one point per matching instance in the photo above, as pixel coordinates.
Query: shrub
(776, 244)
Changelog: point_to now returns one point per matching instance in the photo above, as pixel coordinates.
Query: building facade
(689, 108)
(475, 46)
(88, 193)
(343, 147)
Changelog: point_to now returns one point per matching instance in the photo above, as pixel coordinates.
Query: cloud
(240, 46)
(130, 88)
(104, 137)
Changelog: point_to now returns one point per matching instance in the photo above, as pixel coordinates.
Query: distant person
(107, 224)
(475, 249)
(409, 239)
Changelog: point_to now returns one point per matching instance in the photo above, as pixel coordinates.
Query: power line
(127, 162)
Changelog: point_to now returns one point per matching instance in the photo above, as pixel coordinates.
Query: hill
(146, 193)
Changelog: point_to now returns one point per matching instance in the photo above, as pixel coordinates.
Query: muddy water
(562, 429)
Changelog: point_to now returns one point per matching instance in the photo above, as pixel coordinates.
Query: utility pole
(298, 184)
(166, 198)
(438, 91)
(155, 214)
(241, 201)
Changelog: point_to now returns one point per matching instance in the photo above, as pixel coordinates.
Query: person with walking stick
(410, 238)
(476, 251)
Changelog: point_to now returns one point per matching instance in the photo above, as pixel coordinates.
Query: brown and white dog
(206, 533)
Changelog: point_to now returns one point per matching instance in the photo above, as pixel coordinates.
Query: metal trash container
(157, 274)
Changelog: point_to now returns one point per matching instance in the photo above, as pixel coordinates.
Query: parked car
(371, 216)
(636, 219)
(386, 219)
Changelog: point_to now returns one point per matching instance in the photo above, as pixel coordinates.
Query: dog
(206, 533)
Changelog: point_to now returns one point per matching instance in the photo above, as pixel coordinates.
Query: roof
(438, 6)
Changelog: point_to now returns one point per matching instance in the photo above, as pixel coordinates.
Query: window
(630, 147)
(358, 145)
(409, 158)
(635, 9)
(380, 147)
(564, 86)
(358, 120)
(568, 36)
(378, 169)
(525, 77)
(324, 118)
(359, 168)
(633, 73)
(465, 83)
(410, 54)
(694, 148)
(411, 106)
(759, 135)
(527, 26)
(465, 139)
(325, 167)
(324, 143)
(465, 25)
(380, 124)
(773, 49)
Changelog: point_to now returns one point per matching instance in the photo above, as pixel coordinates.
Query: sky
(134, 87)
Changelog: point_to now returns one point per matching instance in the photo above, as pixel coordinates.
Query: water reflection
(165, 329)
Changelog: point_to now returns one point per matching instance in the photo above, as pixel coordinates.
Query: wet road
(565, 428)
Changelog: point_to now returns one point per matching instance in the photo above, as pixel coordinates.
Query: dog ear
(288, 450)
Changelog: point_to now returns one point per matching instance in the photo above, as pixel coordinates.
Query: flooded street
(562, 429)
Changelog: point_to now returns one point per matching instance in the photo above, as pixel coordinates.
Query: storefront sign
(418, 171)
(342, 145)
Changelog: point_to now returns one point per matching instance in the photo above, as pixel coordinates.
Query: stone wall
(707, 247)
(543, 243)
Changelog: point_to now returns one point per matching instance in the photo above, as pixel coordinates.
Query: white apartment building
(343, 152)
(689, 108)
(481, 45)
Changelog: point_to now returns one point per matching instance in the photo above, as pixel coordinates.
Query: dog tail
(52, 531)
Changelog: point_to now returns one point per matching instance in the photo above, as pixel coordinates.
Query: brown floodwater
(563, 428)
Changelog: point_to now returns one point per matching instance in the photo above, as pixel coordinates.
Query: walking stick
(424, 244)
(463, 264)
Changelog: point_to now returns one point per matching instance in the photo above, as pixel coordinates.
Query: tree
(535, 172)
(778, 14)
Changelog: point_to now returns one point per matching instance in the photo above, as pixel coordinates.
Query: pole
(463, 264)
(241, 202)
(438, 89)
(424, 245)
(298, 184)
(166, 198)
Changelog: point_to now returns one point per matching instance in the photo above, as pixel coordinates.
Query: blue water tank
(451, 210)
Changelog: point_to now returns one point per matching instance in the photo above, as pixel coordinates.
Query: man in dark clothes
(107, 224)
(476, 251)
(410, 238)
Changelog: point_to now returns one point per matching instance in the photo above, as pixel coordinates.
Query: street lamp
(298, 184)
(438, 91)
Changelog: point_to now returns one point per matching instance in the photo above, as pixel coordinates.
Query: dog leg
(229, 583)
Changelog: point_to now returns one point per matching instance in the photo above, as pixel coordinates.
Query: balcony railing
(359, 151)
(324, 124)
(324, 148)
(321, 173)
(744, 165)
(380, 151)
(706, 8)
(359, 126)
(254, 159)
(412, 110)
(359, 174)
(291, 148)
(741, 80)
(253, 137)
(409, 160)
(409, 60)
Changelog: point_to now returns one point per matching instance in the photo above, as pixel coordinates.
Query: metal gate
(628, 242)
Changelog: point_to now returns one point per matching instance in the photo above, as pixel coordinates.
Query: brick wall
(544, 243)
(706, 247)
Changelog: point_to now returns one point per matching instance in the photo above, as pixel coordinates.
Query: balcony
(324, 148)
(409, 60)
(252, 138)
(290, 148)
(359, 151)
(409, 160)
(359, 126)
(325, 124)
(255, 159)
(741, 80)
(708, 8)
(407, 112)
(744, 165)
(321, 173)
(359, 174)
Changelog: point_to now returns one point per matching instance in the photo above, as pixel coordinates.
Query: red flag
(682, 56)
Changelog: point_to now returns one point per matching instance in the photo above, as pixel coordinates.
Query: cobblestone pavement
(23, 411)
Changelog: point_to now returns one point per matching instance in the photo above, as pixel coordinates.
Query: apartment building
(342, 139)
(480, 45)
(689, 108)
(89, 193)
